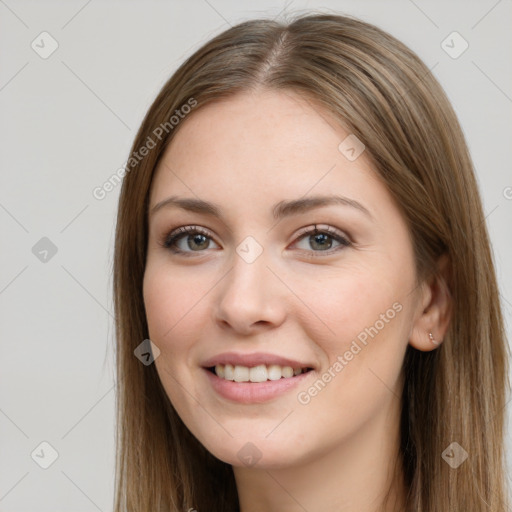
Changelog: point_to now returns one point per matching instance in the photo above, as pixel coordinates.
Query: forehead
(260, 147)
(257, 128)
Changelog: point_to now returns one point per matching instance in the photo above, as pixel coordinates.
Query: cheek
(366, 316)
(173, 305)
(172, 301)
(172, 323)
(341, 305)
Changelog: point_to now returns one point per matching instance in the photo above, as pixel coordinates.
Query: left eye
(197, 239)
(323, 239)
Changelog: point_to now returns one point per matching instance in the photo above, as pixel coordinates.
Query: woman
(301, 237)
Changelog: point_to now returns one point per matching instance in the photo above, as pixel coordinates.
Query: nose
(251, 297)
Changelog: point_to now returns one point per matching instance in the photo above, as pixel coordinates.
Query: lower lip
(254, 392)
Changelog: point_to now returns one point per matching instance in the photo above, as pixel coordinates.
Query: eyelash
(169, 241)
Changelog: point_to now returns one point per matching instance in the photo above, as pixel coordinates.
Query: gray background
(66, 125)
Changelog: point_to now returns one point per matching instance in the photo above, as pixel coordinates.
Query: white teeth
(228, 372)
(219, 370)
(241, 374)
(287, 371)
(260, 373)
(274, 372)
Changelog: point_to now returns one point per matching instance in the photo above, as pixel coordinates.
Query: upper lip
(253, 359)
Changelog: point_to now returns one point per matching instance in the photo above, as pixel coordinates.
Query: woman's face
(254, 290)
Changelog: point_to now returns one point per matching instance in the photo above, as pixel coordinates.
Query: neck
(354, 476)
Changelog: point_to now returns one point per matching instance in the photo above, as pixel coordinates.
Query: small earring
(432, 339)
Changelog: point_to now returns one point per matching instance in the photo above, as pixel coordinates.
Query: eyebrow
(280, 210)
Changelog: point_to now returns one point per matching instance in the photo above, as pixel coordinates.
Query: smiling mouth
(259, 373)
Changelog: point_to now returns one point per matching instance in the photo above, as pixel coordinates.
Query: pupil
(197, 239)
(322, 237)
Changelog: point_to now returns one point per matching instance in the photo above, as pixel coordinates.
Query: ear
(434, 309)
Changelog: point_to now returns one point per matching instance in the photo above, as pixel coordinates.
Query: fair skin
(335, 450)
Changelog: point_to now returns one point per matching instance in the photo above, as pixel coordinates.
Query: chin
(253, 451)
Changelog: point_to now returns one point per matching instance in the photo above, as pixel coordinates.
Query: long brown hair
(385, 95)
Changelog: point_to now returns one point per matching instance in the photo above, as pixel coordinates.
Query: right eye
(196, 240)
